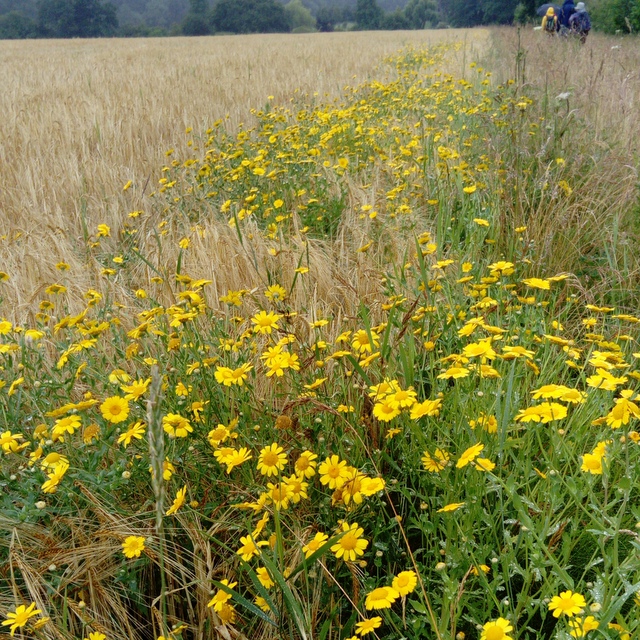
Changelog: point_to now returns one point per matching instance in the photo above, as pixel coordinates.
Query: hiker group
(569, 20)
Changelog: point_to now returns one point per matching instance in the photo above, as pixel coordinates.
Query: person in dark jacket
(568, 9)
(580, 23)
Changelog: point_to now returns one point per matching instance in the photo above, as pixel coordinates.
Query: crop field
(320, 337)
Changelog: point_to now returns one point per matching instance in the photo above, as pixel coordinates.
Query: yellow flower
(386, 410)
(178, 501)
(497, 630)
(176, 425)
(280, 494)
(350, 545)
(469, 455)
(314, 544)
(544, 413)
(275, 293)
(133, 546)
(265, 579)
(136, 389)
(221, 596)
(381, 598)
(305, 465)
(333, 472)
(366, 626)
(249, 548)
(405, 582)
(136, 430)
(453, 506)
(437, 462)
(427, 408)
(537, 283)
(272, 460)
(567, 603)
(19, 618)
(580, 628)
(484, 464)
(364, 341)
(265, 322)
(115, 409)
(228, 377)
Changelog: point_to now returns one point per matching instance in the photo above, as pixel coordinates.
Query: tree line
(101, 18)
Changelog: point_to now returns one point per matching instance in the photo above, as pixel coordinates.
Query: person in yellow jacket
(550, 22)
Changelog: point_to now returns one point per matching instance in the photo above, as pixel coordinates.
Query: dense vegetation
(99, 18)
(410, 412)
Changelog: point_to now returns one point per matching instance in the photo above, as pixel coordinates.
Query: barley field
(323, 337)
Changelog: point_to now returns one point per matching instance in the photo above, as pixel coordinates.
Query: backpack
(550, 26)
(582, 22)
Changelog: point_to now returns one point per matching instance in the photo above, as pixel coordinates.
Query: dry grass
(81, 118)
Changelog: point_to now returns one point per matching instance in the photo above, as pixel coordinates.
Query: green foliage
(421, 14)
(299, 16)
(76, 19)
(15, 26)
(250, 16)
(368, 15)
(616, 16)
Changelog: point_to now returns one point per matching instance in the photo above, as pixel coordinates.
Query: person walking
(568, 9)
(580, 23)
(550, 22)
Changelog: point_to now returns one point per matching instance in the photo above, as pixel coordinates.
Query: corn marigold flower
(306, 464)
(381, 598)
(19, 618)
(265, 322)
(272, 460)
(177, 502)
(402, 398)
(133, 546)
(136, 430)
(229, 377)
(314, 544)
(176, 426)
(115, 409)
(537, 283)
(496, 630)
(351, 544)
(298, 488)
(544, 413)
(10, 441)
(453, 506)
(437, 462)
(367, 626)
(275, 293)
(385, 411)
(221, 596)
(279, 494)
(365, 341)
(481, 349)
(68, 424)
(249, 548)
(469, 455)
(55, 477)
(371, 486)
(484, 464)
(333, 472)
(405, 582)
(580, 628)
(567, 603)
(265, 579)
(136, 389)
(429, 408)
(236, 457)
